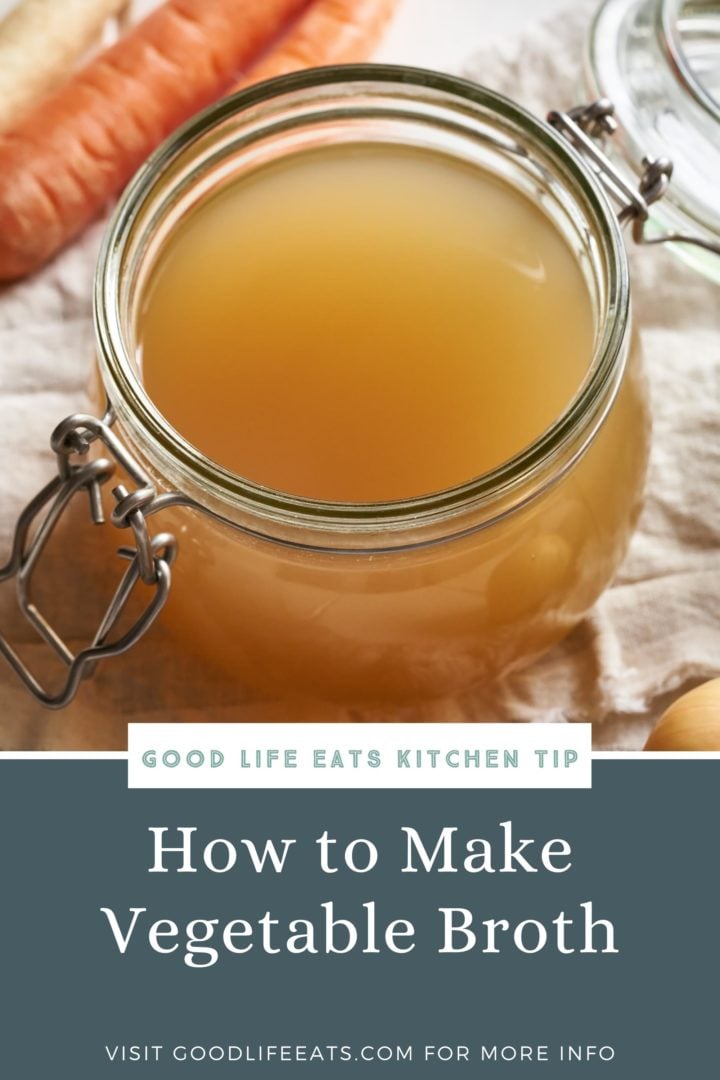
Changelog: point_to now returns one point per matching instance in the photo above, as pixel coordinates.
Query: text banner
(359, 756)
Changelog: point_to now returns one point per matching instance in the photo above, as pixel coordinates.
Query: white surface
(437, 33)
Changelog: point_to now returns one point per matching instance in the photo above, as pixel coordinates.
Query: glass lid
(658, 61)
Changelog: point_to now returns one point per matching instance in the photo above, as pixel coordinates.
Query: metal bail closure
(585, 124)
(149, 560)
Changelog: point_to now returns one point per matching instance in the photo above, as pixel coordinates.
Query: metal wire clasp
(149, 559)
(585, 124)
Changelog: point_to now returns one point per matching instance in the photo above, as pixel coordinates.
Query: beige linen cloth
(654, 633)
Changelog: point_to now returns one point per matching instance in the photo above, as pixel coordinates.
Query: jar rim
(639, 55)
(234, 489)
(669, 27)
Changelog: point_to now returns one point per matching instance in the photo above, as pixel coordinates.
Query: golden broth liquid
(365, 324)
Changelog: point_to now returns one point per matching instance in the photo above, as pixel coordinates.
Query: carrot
(330, 32)
(40, 41)
(79, 147)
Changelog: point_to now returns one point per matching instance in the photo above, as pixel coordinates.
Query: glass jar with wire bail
(390, 601)
(658, 61)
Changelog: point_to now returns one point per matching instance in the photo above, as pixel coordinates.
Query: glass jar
(386, 602)
(658, 61)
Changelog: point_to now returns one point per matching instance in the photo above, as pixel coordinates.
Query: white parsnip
(40, 41)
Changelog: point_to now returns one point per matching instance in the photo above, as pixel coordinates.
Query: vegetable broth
(365, 323)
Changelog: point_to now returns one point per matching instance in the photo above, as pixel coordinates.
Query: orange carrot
(79, 147)
(329, 32)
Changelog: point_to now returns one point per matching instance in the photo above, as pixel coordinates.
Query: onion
(691, 723)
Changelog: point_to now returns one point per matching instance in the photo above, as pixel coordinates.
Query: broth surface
(364, 323)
